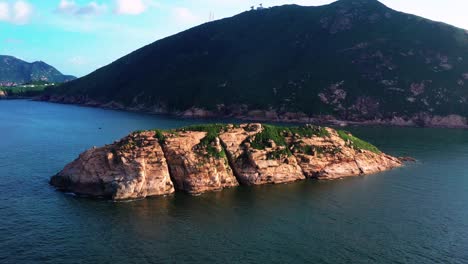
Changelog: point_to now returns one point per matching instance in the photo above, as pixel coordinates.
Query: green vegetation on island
(357, 143)
(270, 134)
(206, 145)
(271, 137)
(208, 142)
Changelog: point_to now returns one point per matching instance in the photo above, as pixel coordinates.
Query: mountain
(352, 59)
(16, 71)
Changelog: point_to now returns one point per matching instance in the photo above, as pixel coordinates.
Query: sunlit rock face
(254, 166)
(206, 158)
(193, 169)
(134, 167)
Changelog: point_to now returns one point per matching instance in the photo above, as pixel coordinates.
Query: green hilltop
(353, 59)
(14, 71)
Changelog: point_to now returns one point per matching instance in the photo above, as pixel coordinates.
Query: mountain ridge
(353, 60)
(16, 71)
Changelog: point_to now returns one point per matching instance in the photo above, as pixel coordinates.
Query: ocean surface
(416, 214)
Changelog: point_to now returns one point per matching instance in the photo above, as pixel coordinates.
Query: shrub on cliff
(357, 143)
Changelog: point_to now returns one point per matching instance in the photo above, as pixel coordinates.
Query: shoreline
(422, 120)
(16, 98)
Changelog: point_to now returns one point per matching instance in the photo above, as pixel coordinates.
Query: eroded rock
(134, 167)
(331, 157)
(205, 158)
(194, 168)
(255, 165)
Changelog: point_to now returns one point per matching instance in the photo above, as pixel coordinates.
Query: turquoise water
(417, 214)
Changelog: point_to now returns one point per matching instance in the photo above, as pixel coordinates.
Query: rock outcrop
(134, 167)
(333, 157)
(254, 165)
(205, 158)
(193, 169)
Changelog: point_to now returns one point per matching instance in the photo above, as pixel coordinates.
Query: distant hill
(16, 71)
(352, 59)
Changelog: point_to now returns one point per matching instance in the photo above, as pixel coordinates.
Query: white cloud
(70, 7)
(4, 11)
(18, 12)
(133, 7)
(22, 11)
(185, 16)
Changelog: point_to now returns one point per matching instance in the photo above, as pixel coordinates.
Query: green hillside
(354, 59)
(14, 71)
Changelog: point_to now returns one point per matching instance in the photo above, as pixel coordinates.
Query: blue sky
(79, 36)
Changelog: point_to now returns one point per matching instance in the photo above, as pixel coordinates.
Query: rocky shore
(205, 158)
(5, 96)
(242, 112)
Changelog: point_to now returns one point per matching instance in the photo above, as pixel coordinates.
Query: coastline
(418, 120)
(16, 98)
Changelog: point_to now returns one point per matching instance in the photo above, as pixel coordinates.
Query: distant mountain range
(352, 59)
(16, 71)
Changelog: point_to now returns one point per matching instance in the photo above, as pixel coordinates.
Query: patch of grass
(260, 141)
(309, 131)
(159, 135)
(277, 134)
(207, 143)
(213, 152)
(212, 131)
(357, 143)
(270, 133)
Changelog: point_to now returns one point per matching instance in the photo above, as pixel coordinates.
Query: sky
(80, 36)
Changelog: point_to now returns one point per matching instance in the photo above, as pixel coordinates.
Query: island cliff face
(131, 168)
(192, 170)
(259, 165)
(205, 158)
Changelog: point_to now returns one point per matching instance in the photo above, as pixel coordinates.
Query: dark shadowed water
(417, 214)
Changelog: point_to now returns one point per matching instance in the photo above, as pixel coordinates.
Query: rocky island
(204, 158)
